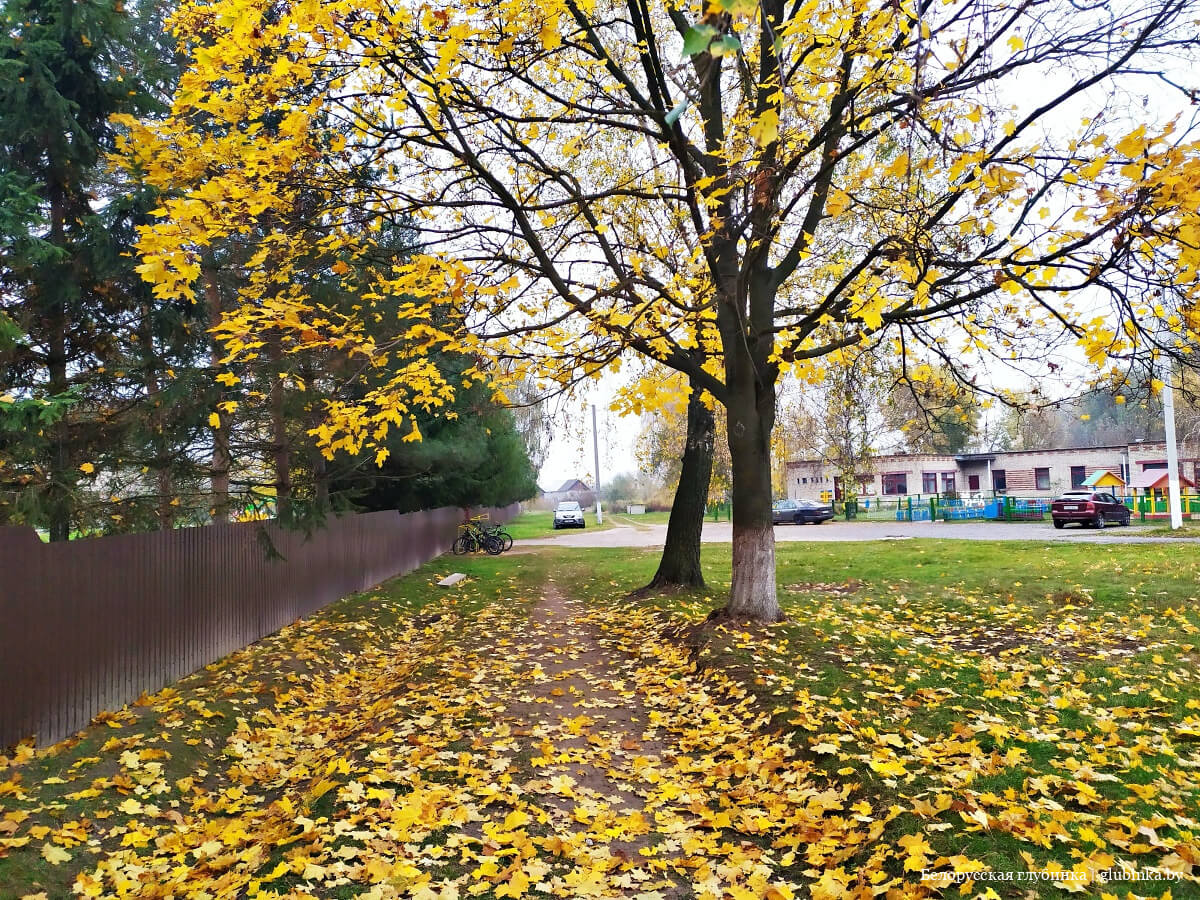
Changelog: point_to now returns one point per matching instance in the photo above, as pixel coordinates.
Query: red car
(1088, 507)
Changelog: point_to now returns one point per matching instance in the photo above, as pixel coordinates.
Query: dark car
(800, 512)
(1088, 507)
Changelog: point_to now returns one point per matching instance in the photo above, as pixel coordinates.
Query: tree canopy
(738, 191)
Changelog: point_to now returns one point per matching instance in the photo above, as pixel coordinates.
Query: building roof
(573, 484)
(1156, 478)
(1096, 477)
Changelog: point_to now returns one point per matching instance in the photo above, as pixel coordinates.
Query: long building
(1016, 473)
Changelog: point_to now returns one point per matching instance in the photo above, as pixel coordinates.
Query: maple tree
(809, 176)
(679, 444)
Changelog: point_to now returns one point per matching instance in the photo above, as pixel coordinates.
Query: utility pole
(1172, 448)
(596, 457)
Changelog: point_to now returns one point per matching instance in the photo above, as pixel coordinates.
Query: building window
(804, 481)
(948, 483)
(999, 482)
(929, 482)
(895, 483)
(1041, 479)
(1154, 464)
(1078, 476)
(972, 482)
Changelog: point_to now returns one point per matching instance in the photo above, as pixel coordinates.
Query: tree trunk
(220, 454)
(749, 400)
(164, 484)
(680, 563)
(753, 594)
(281, 450)
(62, 473)
(321, 480)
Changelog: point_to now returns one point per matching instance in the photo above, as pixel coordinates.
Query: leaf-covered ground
(930, 707)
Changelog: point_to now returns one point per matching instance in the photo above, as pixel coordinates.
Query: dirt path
(591, 735)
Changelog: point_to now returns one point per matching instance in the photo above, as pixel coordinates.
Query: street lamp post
(1173, 499)
(596, 458)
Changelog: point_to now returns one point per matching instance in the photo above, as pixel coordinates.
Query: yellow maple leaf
(549, 36)
(54, 854)
(916, 850)
(765, 129)
(831, 885)
(891, 767)
(516, 886)
(516, 819)
(1134, 143)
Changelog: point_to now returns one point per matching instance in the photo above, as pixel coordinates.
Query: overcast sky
(570, 454)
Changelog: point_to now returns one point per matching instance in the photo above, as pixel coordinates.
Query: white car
(568, 514)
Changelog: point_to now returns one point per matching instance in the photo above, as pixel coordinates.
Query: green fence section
(928, 508)
(900, 509)
(918, 508)
(1023, 509)
(1159, 508)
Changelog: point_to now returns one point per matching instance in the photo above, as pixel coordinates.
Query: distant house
(1015, 473)
(572, 489)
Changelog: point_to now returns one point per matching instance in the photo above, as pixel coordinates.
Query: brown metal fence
(90, 625)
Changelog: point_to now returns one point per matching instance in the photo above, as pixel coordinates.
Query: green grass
(539, 523)
(920, 639)
(926, 638)
(657, 517)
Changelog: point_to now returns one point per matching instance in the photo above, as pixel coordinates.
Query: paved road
(722, 532)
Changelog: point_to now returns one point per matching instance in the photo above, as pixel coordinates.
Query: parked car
(1088, 507)
(568, 514)
(800, 512)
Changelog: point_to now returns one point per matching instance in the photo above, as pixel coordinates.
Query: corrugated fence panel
(92, 624)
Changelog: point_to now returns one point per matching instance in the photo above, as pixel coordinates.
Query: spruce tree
(60, 81)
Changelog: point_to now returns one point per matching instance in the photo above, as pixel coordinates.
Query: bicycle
(499, 532)
(474, 536)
